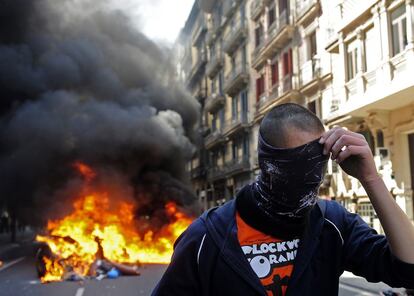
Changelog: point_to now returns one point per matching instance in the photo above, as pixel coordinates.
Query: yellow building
(348, 61)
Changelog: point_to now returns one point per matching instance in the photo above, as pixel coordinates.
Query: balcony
(237, 124)
(214, 102)
(237, 166)
(229, 7)
(214, 65)
(201, 28)
(309, 74)
(256, 8)
(197, 172)
(287, 84)
(197, 66)
(278, 34)
(235, 36)
(215, 138)
(215, 173)
(266, 100)
(210, 37)
(257, 56)
(236, 79)
(306, 11)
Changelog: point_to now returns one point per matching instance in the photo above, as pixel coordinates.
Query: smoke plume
(79, 83)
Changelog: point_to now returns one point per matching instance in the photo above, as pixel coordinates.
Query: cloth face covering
(287, 187)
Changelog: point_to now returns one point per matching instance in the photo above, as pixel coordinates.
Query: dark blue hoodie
(208, 259)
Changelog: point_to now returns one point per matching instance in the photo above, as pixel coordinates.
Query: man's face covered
(287, 187)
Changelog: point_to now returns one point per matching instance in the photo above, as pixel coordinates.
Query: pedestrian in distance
(276, 237)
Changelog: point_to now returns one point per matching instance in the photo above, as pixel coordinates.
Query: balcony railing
(197, 172)
(287, 83)
(201, 61)
(236, 78)
(256, 8)
(305, 6)
(216, 137)
(216, 172)
(201, 27)
(237, 123)
(214, 102)
(309, 71)
(277, 36)
(230, 7)
(235, 35)
(238, 166)
(214, 65)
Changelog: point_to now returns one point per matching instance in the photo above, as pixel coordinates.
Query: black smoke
(79, 83)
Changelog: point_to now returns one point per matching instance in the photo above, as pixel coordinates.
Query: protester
(277, 238)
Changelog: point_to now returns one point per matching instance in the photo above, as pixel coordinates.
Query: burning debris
(78, 84)
(102, 237)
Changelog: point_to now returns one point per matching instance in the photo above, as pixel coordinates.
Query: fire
(100, 227)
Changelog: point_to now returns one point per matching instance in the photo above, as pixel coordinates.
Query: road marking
(11, 263)
(356, 291)
(80, 291)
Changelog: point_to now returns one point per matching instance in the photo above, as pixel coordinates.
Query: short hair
(279, 120)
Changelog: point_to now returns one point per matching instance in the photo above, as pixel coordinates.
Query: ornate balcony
(215, 138)
(235, 36)
(216, 173)
(198, 172)
(198, 66)
(229, 7)
(309, 74)
(215, 64)
(234, 125)
(278, 34)
(214, 102)
(201, 28)
(306, 11)
(236, 79)
(238, 166)
(256, 8)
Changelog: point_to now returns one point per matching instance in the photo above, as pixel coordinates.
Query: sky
(160, 20)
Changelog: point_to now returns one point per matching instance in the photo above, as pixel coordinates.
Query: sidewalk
(350, 280)
(24, 245)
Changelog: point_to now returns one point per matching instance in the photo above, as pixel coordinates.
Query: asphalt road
(18, 278)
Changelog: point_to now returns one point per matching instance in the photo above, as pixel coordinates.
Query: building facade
(349, 62)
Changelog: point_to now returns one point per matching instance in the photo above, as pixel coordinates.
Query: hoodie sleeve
(181, 277)
(368, 254)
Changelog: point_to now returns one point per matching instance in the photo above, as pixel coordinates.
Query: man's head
(292, 164)
(290, 125)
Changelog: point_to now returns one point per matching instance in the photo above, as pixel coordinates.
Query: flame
(101, 227)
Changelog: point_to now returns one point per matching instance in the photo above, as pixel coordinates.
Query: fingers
(350, 150)
(337, 138)
(344, 141)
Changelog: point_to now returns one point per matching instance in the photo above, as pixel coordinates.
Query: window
(287, 63)
(399, 30)
(372, 50)
(275, 73)
(352, 59)
(283, 5)
(258, 32)
(234, 107)
(244, 104)
(246, 149)
(220, 82)
(260, 86)
(271, 14)
(312, 51)
(312, 106)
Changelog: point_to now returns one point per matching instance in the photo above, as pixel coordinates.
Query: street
(18, 278)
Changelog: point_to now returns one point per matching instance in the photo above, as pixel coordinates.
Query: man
(277, 238)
